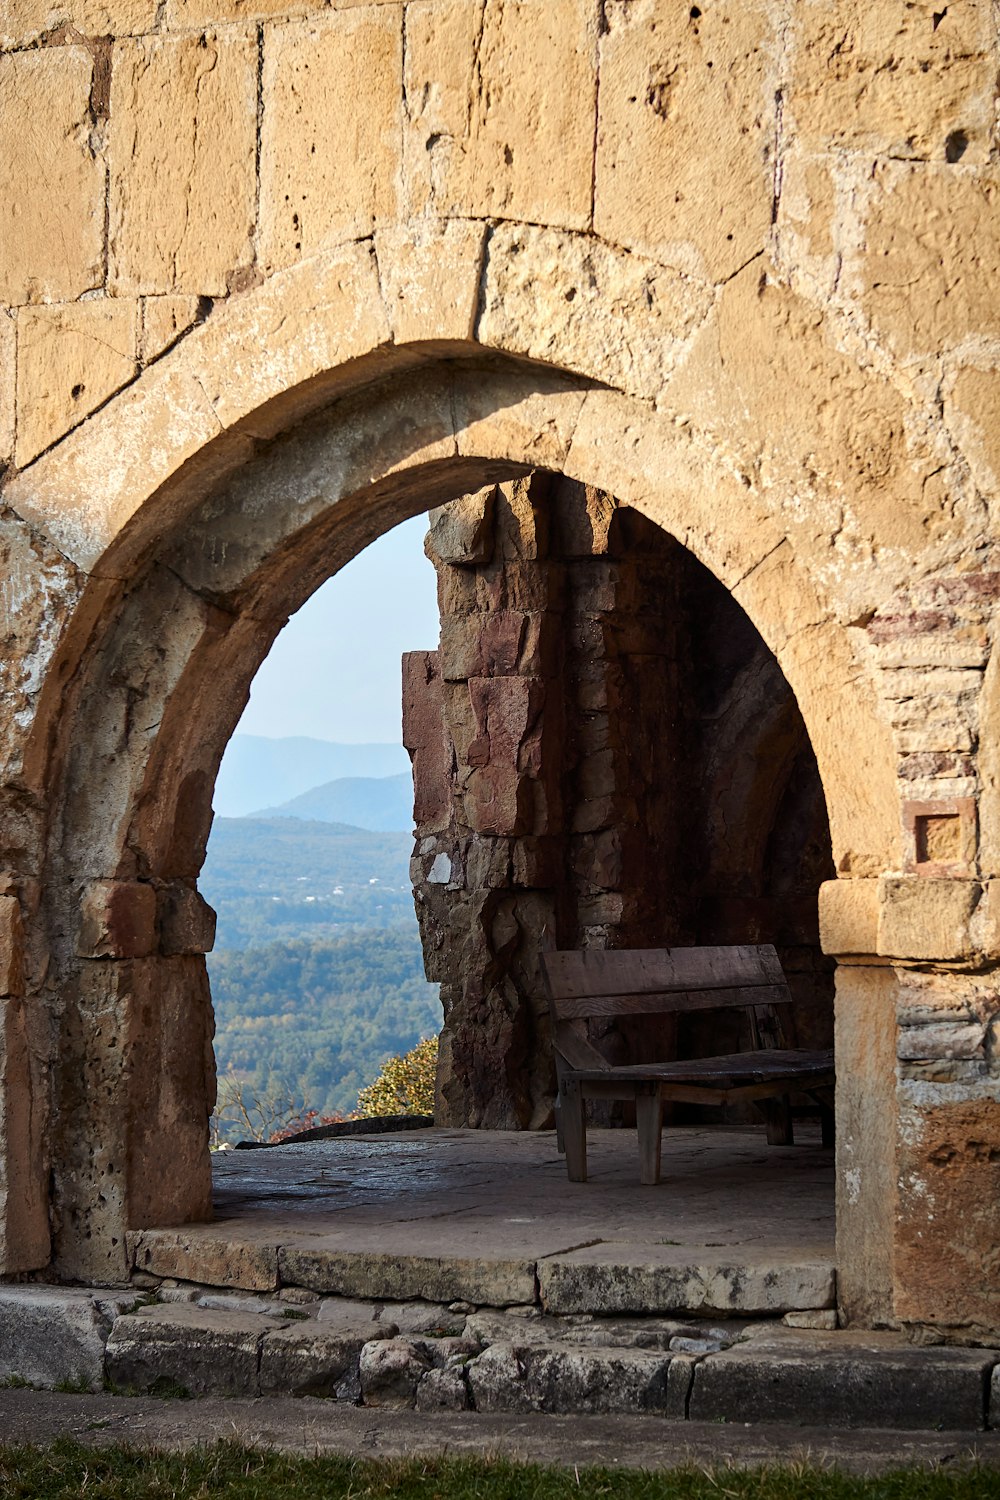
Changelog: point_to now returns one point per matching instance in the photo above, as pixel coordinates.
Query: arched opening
(158, 672)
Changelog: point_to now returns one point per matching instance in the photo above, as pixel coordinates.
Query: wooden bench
(657, 981)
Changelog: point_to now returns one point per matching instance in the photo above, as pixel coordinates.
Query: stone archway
(157, 663)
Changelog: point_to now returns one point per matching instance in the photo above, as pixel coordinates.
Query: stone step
(433, 1358)
(609, 1277)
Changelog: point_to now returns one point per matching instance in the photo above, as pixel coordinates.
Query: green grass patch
(228, 1470)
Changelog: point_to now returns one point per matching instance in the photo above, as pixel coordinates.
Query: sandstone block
(69, 360)
(487, 134)
(531, 1377)
(973, 411)
(575, 301)
(429, 275)
(25, 1236)
(11, 947)
(391, 1370)
(921, 918)
(424, 738)
(330, 142)
(208, 1352)
(117, 919)
(53, 1334)
(684, 136)
(181, 150)
(25, 21)
(913, 237)
(848, 916)
(462, 533)
(186, 921)
(890, 82)
(164, 320)
(193, 1255)
(843, 1379)
(8, 383)
(52, 228)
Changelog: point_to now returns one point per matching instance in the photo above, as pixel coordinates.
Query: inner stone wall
(605, 754)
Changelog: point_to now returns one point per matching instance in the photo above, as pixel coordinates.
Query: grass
(229, 1471)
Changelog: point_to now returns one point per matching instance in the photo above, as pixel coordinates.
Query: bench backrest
(654, 981)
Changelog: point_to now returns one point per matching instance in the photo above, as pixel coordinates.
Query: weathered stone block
(494, 1282)
(53, 1334)
(842, 1379)
(52, 228)
(117, 919)
(196, 1255)
(531, 1377)
(893, 81)
(11, 947)
(208, 1352)
(69, 360)
(163, 321)
(391, 1370)
(973, 411)
(181, 148)
(186, 921)
(613, 316)
(609, 1279)
(848, 916)
(307, 1360)
(462, 533)
(684, 139)
(911, 240)
(424, 738)
(8, 383)
(925, 918)
(442, 1390)
(25, 21)
(487, 134)
(429, 274)
(330, 142)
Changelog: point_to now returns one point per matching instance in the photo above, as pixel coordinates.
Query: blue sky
(333, 672)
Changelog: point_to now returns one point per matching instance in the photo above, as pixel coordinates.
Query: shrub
(405, 1085)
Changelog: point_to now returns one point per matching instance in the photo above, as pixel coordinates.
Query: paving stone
(845, 1379)
(619, 1278)
(549, 1378)
(205, 1351)
(49, 1335)
(309, 1360)
(423, 1317)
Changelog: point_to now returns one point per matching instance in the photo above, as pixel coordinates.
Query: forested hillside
(284, 877)
(317, 975)
(320, 1017)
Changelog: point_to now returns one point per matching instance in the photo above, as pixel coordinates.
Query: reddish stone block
(117, 920)
(424, 738)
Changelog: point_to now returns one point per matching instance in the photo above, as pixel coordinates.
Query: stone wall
(605, 754)
(276, 276)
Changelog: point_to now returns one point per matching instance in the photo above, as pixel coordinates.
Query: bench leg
(574, 1131)
(560, 1138)
(649, 1123)
(778, 1113)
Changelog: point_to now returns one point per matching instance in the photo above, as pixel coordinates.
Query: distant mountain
(285, 878)
(383, 804)
(256, 771)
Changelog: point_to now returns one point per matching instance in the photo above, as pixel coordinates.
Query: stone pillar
(918, 1105)
(136, 1079)
(24, 1217)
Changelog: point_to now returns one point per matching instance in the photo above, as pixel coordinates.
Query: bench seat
(631, 983)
